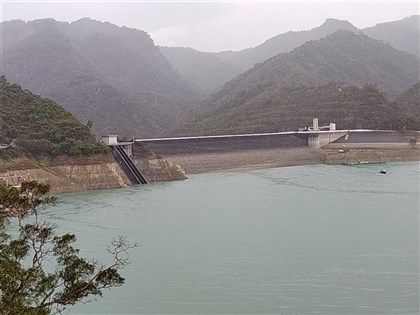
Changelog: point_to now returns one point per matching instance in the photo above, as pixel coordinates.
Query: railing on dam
(240, 142)
(131, 170)
(262, 141)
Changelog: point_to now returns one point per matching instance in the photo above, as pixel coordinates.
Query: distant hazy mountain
(282, 43)
(204, 70)
(281, 93)
(114, 76)
(403, 34)
(211, 73)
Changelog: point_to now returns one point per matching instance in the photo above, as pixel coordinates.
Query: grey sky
(214, 26)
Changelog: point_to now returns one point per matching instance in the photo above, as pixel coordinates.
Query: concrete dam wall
(236, 152)
(201, 145)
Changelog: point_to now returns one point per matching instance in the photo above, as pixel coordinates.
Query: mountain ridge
(343, 59)
(47, 57)
(403, 36)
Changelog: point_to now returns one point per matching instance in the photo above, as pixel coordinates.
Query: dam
(203, 154)
(172, 158)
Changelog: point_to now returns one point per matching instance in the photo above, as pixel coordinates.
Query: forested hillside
(346, 78)
(114, 76)
(343, 57)
(39, 126)
(292, 107)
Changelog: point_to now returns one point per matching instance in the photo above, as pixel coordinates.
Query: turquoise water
(308, 239)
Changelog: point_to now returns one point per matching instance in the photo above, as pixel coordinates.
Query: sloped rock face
(158, 169)
(71, 174)
(71, 178)
(154, 167)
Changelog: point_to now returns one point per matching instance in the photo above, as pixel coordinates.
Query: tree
(26, 286)
(89, 124)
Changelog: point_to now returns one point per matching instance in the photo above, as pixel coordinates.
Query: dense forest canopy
(41, 127)
(291, 107)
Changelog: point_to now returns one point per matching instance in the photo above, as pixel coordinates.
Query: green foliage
(339, 78)
(9, 153)
(26, 286)
(40, 126)
(288, 108)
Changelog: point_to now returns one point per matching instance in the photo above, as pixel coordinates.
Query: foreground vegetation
(41, 272)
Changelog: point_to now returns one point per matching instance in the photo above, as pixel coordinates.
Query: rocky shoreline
(74, 177)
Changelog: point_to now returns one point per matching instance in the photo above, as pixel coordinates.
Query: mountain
(403, 34)
(293, 107)
(210, 71)
(114, 76)
(280, 93)
(343, 57)
(282, 43)
(210, 74)
(41, 127)
(204, 70)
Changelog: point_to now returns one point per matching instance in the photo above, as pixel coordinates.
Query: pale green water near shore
(307, 239)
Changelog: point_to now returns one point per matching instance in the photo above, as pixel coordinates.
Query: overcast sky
(213, 26)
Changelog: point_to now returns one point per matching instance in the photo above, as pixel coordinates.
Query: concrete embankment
(247, 159)
(206, 154)
(268, 158)
(230, 153)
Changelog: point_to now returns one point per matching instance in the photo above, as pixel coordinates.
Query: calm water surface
(307, 239)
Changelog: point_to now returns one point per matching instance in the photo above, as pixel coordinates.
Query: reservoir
(306, 239)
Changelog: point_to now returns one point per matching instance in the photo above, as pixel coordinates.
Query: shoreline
(76, 178)
(284, 157)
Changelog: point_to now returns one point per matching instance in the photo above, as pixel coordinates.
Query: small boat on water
(382, 171)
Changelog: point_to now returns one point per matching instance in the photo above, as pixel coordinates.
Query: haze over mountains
(117, 78)
(403, 35)
(206, 71)
(113, 76)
